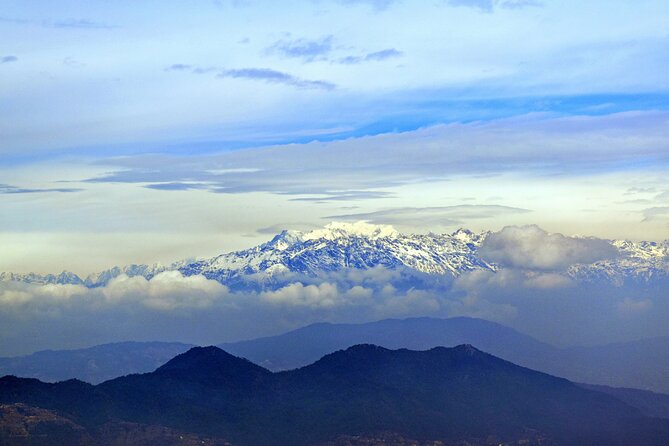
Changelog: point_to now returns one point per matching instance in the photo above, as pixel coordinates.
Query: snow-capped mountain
(636, 262)
(360, 245)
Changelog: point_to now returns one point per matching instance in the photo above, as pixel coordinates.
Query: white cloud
(533, 248)
(16, 294)
(547, 281)
(166, 291)
(634, 307)
(195, 309)
(323, 295)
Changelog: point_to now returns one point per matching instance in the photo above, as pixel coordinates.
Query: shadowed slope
(443, 393)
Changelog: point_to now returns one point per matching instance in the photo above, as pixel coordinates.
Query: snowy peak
(468, 237)
(332, 232)
(284, 240)
(342, 230)
(361, 245)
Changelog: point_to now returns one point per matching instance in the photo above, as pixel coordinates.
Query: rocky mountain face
(341, 246)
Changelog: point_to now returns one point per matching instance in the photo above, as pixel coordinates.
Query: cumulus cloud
(16, 295)
(533, 248)
(198, 310)
(166, 291)
(324, 295)
(195, 309)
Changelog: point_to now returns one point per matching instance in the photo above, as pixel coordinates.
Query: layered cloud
(433, 216)
(568, 146)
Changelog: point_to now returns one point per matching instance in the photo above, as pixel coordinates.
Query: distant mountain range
(95, 364)
(640, 364)
(454, 395)
(361, 246)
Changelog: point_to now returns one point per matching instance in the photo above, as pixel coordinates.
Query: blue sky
(305, 111)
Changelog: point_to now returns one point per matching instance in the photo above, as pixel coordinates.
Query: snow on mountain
(638, 262)
(360, 245)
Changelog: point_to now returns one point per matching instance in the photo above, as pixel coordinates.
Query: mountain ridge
(639, 364)
(445, 394)
(362, 245)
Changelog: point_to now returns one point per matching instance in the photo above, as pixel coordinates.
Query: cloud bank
(530, 291)
(533, 248)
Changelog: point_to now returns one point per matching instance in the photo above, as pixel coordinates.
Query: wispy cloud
(258, 74)
(8, 59)
(179, 67)
(175, 186)
(640, 190)
(520, 4)
(569, 146)
(655, 213)
(67, 23)
(379, 5)
(81, 24)
(351, 195)
(322, 49)
(483, 5)
(490, 5)
(7, 189)
(432, 216)
(275, 77)
(664, 196)
(388, 53)
(305, 49)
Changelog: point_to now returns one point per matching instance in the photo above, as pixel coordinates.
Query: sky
(142, 132)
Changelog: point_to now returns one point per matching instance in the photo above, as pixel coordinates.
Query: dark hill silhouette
(440, 394)
(642, 364)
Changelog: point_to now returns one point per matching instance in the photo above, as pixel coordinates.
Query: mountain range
(642, 364)
(457, 395)
(360, 245)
